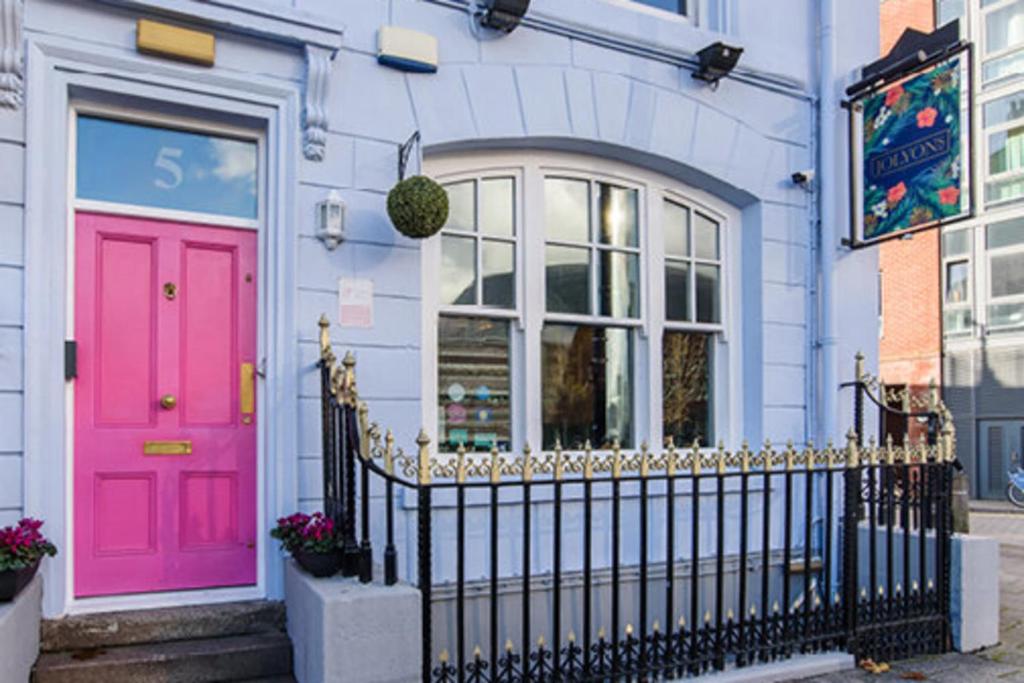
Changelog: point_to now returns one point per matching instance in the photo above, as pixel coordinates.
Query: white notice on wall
(355, 302)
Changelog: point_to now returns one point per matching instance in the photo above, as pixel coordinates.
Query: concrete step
(113, 629)
(234, 658)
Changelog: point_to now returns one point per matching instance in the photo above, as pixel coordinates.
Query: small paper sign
(355, 300)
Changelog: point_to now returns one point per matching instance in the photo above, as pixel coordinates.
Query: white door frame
(60, 73)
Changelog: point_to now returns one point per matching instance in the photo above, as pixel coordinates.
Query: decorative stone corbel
(12, 63)
(314, 118)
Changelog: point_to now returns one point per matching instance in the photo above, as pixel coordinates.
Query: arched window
(572, 299)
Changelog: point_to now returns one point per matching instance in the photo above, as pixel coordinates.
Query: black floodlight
(503, 15)
(716, 61)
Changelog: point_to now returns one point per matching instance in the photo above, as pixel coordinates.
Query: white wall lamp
(330, 219)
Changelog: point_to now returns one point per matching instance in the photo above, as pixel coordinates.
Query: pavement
(1003, 663)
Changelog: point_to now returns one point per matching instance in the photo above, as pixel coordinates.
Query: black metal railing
(636, 565)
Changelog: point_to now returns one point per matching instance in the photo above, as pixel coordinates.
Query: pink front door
(165, 435)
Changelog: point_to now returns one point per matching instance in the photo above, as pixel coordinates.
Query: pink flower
(896, 192)
(949, 195)
(893, 94)
(926, 117)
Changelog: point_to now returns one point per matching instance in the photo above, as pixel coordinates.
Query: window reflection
(458, 270)
(686, 388)
(567, 209)
(587, 386)
(567, 279)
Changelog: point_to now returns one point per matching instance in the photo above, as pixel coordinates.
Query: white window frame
(530, 315)
(968, 303)
(990, 300)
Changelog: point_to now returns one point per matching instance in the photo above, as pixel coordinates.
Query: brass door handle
(167, 401)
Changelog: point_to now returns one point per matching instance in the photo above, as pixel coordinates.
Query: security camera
(803, 178)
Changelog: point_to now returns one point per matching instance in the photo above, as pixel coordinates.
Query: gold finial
(527, 463)
(859, 366)
(682, 622)
(817, 601)
(915, 586)
(600, 633)
(495, 465)
(559, 462)
(540, 641)
(572, 636)
(753, 610)
(863, 593)
(670, 458)
(852, 454)
(872, 451)
(460, 464)
(730, 615)
(899, 587)
(790, 455)
(389, 452)
(645, 460)
(881, 590)
(508, 645)
(656, 626)
(775, 606)
(721, 458)
(830, 450)
(745, 457)
(423, 441)
(768, 453)
(349, 393)
(364, 431)
(476, 652)
(616, 459)
(325, 336)
(931, 584)
(946, 443)
(707, 617)
(809, 455)
(629, 630)
(695, 461)
(443, 657)
(835, 598)
(588, 460)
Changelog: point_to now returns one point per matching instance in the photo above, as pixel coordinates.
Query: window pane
(956, 243)
(497, 198)
(461, 205)
(705, 237)
(1002, 190)
(686, 382)
(587, 385)
(1006, 150)
(1005, 233)
(707, 294)
(567, 279)
(619, 290)
(678, 6)
(567, 209)
(1010, 65)
(618, 215)
(473, 384)
(956, 321)
(956, 282)
(1004, 27)
(677, 230)
(948, 10)
(131, 163)
(1006, 315)
(1007, 274)
(499, 274)
(458, 270)
(677, 290)
(1005, 109)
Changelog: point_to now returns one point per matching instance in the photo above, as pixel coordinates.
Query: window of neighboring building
(948, 10)
(1004, 242)
(560, 342)
(1004, 135)
(1002, 27)
(677, 6)
(956, 276)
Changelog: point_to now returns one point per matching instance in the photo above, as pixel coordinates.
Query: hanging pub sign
(910, 156)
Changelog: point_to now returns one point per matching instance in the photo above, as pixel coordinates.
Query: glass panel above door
(130, 163)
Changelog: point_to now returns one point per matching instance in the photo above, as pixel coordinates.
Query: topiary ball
(418, 207)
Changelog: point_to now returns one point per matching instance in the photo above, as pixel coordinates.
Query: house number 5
(171, 169)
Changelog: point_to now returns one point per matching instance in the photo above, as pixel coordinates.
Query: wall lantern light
(502, 15)
(716, 61)
(330, 219)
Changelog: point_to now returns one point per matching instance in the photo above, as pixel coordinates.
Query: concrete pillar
(974, 603)
(19, 633)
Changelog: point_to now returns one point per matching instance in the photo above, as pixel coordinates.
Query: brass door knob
(167, 401)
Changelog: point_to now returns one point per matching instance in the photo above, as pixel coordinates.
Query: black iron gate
(643, 565)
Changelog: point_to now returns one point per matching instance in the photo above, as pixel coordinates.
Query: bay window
(573, 301)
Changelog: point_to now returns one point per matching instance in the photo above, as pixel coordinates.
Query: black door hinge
(70, 359)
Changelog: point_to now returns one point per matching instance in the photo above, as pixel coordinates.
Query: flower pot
(320, 565)
(14, 580)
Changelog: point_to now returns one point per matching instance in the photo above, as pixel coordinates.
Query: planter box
(344, 631)
(12, 582)
(19, 633)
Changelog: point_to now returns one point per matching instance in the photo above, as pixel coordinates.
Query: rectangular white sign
(355, 302)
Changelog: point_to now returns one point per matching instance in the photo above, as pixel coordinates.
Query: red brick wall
(911, 341)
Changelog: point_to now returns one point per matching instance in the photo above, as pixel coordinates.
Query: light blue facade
(595, 77)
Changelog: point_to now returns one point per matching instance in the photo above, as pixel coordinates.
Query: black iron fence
(643, 565)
